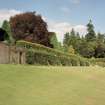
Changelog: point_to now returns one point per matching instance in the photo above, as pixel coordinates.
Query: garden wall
(11, 54)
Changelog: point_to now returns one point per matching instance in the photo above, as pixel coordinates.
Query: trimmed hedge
(40, 58)
(98, 61)
(41, 55)
(42, 48)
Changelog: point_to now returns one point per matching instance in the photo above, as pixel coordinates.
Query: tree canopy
(30, 27)
(90, 45)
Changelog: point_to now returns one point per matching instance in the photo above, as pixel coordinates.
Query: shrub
(42, 58)
(98, 61)
(41, 55)
(42, 48)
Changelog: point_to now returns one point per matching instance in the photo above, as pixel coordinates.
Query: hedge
(40, 58)
(98, 61)
(41, 55)
(42, 48)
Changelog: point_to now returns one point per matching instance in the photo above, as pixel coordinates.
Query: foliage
(66, 39)
(3, 35)
(42, 48)
(54, 41)
(30, 27)
(42, 58)
(60, 47)
(92, 45)
(101, 37)
(71, 50)
(47, 56)
(7, 28)
(86, 49)
(71, 39)
(90, 36)
(98, 62)
(100, 50)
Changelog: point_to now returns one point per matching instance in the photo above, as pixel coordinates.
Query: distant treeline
(91, 45)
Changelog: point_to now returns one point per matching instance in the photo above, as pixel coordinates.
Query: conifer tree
(90, 36)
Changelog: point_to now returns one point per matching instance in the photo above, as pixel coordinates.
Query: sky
(60, 15)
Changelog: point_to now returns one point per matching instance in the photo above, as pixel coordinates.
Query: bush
(98, 61)
(41, 55)
(42, 48)
(40, 58)
(84, 62)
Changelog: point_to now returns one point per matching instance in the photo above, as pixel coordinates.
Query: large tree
(30, 27)
(90, 36)
(6, 27)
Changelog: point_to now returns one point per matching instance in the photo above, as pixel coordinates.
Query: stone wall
(11, 54)
(4, 54)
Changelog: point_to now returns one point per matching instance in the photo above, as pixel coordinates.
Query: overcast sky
(61, 15)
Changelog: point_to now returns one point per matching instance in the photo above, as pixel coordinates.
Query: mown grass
(33, 85)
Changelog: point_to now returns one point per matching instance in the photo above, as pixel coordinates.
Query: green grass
(33, 85)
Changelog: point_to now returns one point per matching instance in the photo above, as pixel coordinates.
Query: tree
(53, 40)
(6, 27)
(60, 47)
(100, 50)
(3, 35)
(66, 39)
(91, 45)
(90, 36)
(86, 49)
(75, 40)
(100, 37)
(71, 39)
(78, 36)
(30, 27)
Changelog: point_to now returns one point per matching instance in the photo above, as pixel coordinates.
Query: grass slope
(29, 85)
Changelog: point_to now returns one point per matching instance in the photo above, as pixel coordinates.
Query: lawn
(36, 85)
